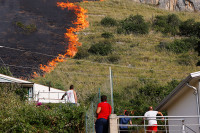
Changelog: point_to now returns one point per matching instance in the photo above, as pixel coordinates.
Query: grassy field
(138, 55)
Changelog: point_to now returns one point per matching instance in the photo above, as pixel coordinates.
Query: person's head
(71, 87)
(150, 108)
(126, 113)
(103, 98)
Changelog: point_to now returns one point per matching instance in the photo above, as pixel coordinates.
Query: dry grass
(139, 58)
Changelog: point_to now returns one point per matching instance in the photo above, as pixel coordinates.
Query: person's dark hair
(103, 98)
(126, 113)
(71, 87)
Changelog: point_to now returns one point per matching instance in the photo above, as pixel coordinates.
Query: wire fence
(90, 116)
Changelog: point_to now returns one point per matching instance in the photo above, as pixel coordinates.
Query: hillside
(137, 54)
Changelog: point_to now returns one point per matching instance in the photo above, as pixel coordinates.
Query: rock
(178, 5)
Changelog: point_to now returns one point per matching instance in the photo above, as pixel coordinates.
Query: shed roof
(181, 88)
(9, 79)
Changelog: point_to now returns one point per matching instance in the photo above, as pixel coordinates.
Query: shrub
(149, 93)
(134, 24)
(186, 59)
(198, 63)
(107, 35)
(113, 58)
(18, 116)
(120, 30)
(187, 27)
(196, 29)
(5, 71)
(101, 48)
(183, 45)
(100, 59)
(108, 21)
(82, 53)
(26, 28)
(167, 24)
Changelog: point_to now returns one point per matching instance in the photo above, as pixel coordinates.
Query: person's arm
(63, 96)
(75, 96)
(159, 113)
(130, 122)
(98, 110)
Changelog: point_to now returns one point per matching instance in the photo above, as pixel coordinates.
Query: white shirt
(70, 96)
(152, 117)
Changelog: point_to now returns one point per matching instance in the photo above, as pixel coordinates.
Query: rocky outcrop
(178, 5)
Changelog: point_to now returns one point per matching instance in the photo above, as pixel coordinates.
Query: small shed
(184, 101)
(36, 92)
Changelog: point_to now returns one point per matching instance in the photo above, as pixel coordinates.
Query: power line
(93, 75)
(130, 77)
(129, 67)
(27, 51)
(20, 66)
(3, 61)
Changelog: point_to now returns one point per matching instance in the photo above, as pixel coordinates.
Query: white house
(183, 102)
(36, 92)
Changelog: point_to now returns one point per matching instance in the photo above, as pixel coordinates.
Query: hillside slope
(138, 57)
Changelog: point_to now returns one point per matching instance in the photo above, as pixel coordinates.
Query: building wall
(185, 105)
(42, 94)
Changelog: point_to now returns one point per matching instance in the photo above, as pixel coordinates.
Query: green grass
(137, 51)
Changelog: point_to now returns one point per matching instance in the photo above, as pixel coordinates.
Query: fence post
(165, 125)
(99, 95)
(111, 88)
(183, 126)
(86, 122)
(113, 123)
(93, 130)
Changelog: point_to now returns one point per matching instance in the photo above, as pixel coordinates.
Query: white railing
(170, 124)
(50, 97)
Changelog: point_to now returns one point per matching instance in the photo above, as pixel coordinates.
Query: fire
(73, 41)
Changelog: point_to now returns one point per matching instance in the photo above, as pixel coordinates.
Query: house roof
(9, 79)
(181, 88)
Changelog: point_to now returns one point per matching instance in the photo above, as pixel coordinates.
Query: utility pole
(111, 89)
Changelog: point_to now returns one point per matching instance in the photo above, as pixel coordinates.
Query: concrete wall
(185, 105)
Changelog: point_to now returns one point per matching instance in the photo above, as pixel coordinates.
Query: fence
(90, 116)
(170, 124)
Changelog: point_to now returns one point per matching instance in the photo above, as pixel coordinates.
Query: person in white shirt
(71, 95)
(152, 122)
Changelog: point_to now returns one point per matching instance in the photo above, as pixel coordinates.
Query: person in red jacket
(103, 111)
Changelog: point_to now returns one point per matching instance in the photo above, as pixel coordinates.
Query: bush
(150, 92)
(113, 58)
(198, 63)
(134, 24)
(196, 29)
(187, 59)
(190, 28)
(18, 116)
(5, 71)
(108, 21)
(26, 28)
(101, 48)
(82, 53)
(167, 24)
(187, 27)
(183, 45)
(107, 35)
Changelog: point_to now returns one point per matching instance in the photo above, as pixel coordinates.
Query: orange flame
(80, 24)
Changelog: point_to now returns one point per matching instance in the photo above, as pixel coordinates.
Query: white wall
(185, 105)
(42, 94)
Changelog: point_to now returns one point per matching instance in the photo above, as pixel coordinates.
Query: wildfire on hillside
(80, 24)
